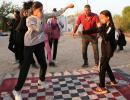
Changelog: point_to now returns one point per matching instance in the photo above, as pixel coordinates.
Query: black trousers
(20, 53)
(39, 52)
(54, 43)
(107, 53)
(13, 47)
(12, 44)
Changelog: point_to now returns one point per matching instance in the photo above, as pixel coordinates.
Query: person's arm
(91, 31)
(58, 13)
(75, 29)
(78, 22)
(98, 29)
(97, 21)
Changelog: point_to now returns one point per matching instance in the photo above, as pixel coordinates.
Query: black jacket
(13, 23)
(21, 30)
(121, 40)
(106, 32)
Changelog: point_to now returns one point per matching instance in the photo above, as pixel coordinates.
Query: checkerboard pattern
(78, 85)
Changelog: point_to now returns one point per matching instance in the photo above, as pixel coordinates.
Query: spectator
(88, 20)
(121, 40)
(56, 27)
(13, 23)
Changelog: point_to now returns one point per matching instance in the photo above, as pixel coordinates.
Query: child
(54, 23)
(47, 30)
(33, 43)
(108, 46)
(21, 30)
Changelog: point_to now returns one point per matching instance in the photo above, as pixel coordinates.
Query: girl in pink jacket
(47, 30)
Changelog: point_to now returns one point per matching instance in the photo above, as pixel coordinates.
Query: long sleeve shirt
(35, 33)
(107, 32)
(88, 22)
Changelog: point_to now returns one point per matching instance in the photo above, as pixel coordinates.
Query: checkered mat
(76, 85)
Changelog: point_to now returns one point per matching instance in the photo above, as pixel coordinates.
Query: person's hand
(73, 35)
(70, 5)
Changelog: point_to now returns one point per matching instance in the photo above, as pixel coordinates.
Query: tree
(123, 21)
(5, 9)
(118, 20)
(126, 11)
(126, 18)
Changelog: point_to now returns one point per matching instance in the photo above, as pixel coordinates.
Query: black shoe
(85, 65)
(52, 64)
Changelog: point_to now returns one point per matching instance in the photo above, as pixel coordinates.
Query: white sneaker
(17, 95)
(43, 84)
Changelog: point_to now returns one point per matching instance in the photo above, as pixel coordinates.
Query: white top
(35, 33)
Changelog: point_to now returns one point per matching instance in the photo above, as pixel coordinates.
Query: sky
(115, 6)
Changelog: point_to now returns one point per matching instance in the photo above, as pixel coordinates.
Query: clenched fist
(70, 5)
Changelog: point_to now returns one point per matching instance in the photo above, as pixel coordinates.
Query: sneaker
(111, 83)
(17, 95)
(100, 90)
(52, 64)
(43, 84)
(85, 65)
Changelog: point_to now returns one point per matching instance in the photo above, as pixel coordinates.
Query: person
(108, 46)
(88, 20)
(121, 39)
(21, 30)
(48, 30)
(13, 23)
(33, 43)
(56, 27)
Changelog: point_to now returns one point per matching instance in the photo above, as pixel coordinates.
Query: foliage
(123, 21)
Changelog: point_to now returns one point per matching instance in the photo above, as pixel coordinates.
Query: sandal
(111, 83)
(100, 90)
